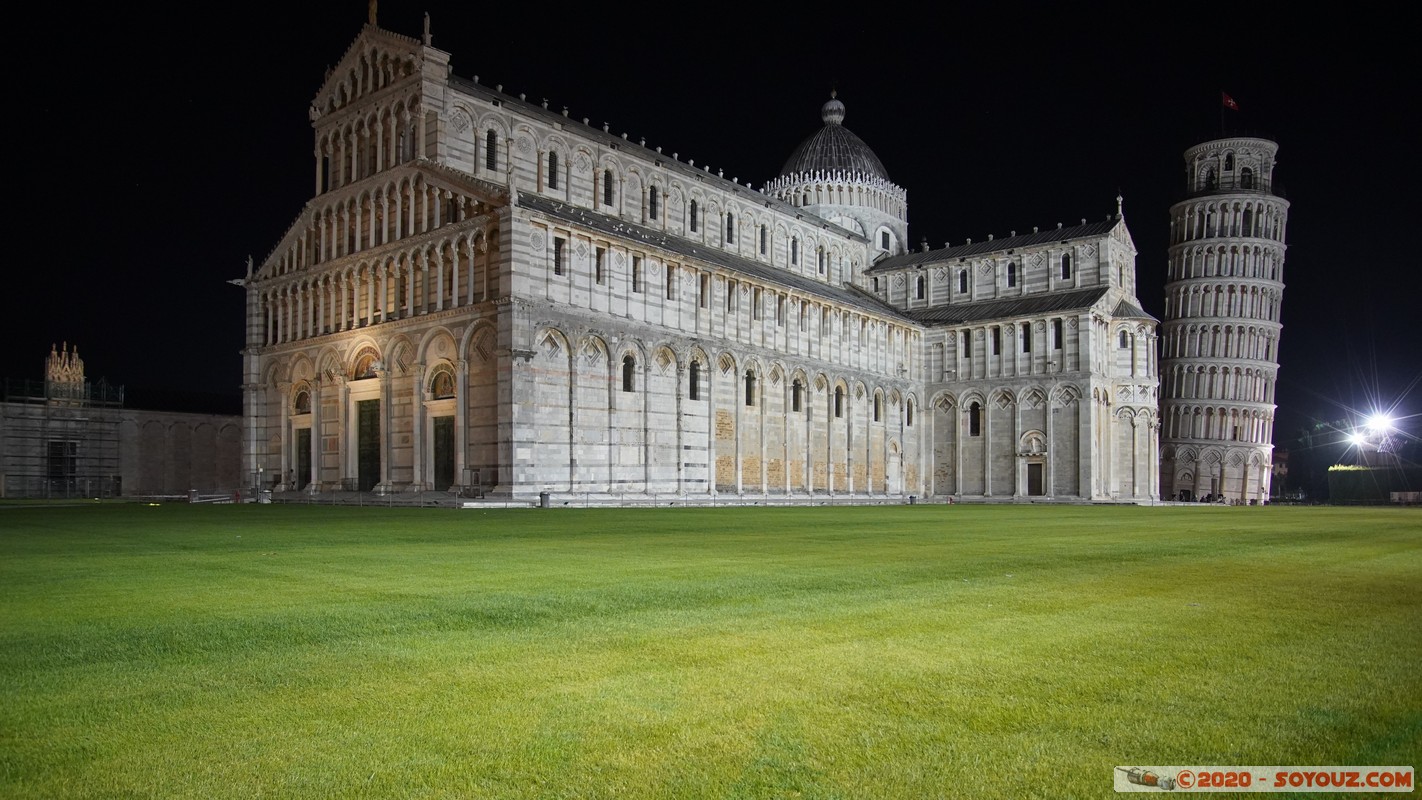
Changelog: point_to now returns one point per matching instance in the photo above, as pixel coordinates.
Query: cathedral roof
(834, 148)
(915, 258)
(613, 226)
(1056, 302)
(1127, 309)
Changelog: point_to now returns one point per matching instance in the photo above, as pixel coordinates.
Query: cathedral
(486, 295)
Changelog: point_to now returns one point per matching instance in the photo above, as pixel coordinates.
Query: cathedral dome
(833, 148)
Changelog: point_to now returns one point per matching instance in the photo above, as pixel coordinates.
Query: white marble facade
(484, 292)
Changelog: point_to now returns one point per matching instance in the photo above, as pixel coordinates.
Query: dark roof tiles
(1088, 230)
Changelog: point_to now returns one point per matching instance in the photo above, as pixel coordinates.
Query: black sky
(157, 147)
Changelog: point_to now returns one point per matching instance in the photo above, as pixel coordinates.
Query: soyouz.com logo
(1262, 779)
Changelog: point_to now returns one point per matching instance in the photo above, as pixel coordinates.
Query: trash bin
(265, 496)
(192, 496)
(912, 499)
(542, 499)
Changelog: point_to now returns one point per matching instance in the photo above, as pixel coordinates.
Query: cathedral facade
(488, 295)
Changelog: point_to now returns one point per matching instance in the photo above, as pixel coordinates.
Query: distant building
(67, 437)
(485, 292)
(1220, 339)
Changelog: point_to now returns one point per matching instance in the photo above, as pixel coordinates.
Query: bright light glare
(1357, 438)
(1379, 423)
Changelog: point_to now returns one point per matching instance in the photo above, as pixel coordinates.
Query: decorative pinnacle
(832, 112)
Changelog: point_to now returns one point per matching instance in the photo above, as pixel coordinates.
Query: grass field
(897, 652)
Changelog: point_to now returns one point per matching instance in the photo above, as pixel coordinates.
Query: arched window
(822, 260)
(883, 240)
(975, 419)
(750, 388)
(694, 215)
(838, 402)
(730, 228)
(1012, 273)
(607, 187)
(1057, 334)
(908, 414)
(694, 379)
(652, 203)
(303, 403)
(629, 373)
(364, 367)
(1210, 181)
(962, 281)
(794, 251)
(491, 150)
(920, 287)
(1026, 338)
(1229, 162)
(1125, 341)
(763, 240)
(878, 407)
(552, 170)
(997, 341)
(796, 389)
(1246, 178)
(1066, 266)
(442, 386)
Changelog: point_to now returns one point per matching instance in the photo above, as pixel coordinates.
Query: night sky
(157, 149)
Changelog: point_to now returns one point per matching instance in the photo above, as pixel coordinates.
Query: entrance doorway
(443, 453)
(367, 444)
(303, 458)
(1035, 483)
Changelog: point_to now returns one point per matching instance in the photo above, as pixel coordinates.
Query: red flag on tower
(1228, 102)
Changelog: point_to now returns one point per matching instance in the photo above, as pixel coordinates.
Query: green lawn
(897, 652)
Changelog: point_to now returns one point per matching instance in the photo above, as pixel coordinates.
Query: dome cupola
(834, 148)
(835, 176)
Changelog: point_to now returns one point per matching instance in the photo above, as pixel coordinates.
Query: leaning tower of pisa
(1220, 339)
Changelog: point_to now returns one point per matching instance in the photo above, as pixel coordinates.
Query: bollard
(542, 499)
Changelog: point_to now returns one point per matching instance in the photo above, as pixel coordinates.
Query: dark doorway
(303, 458)
(443, 453)
(1034, 480)
(367, 444)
